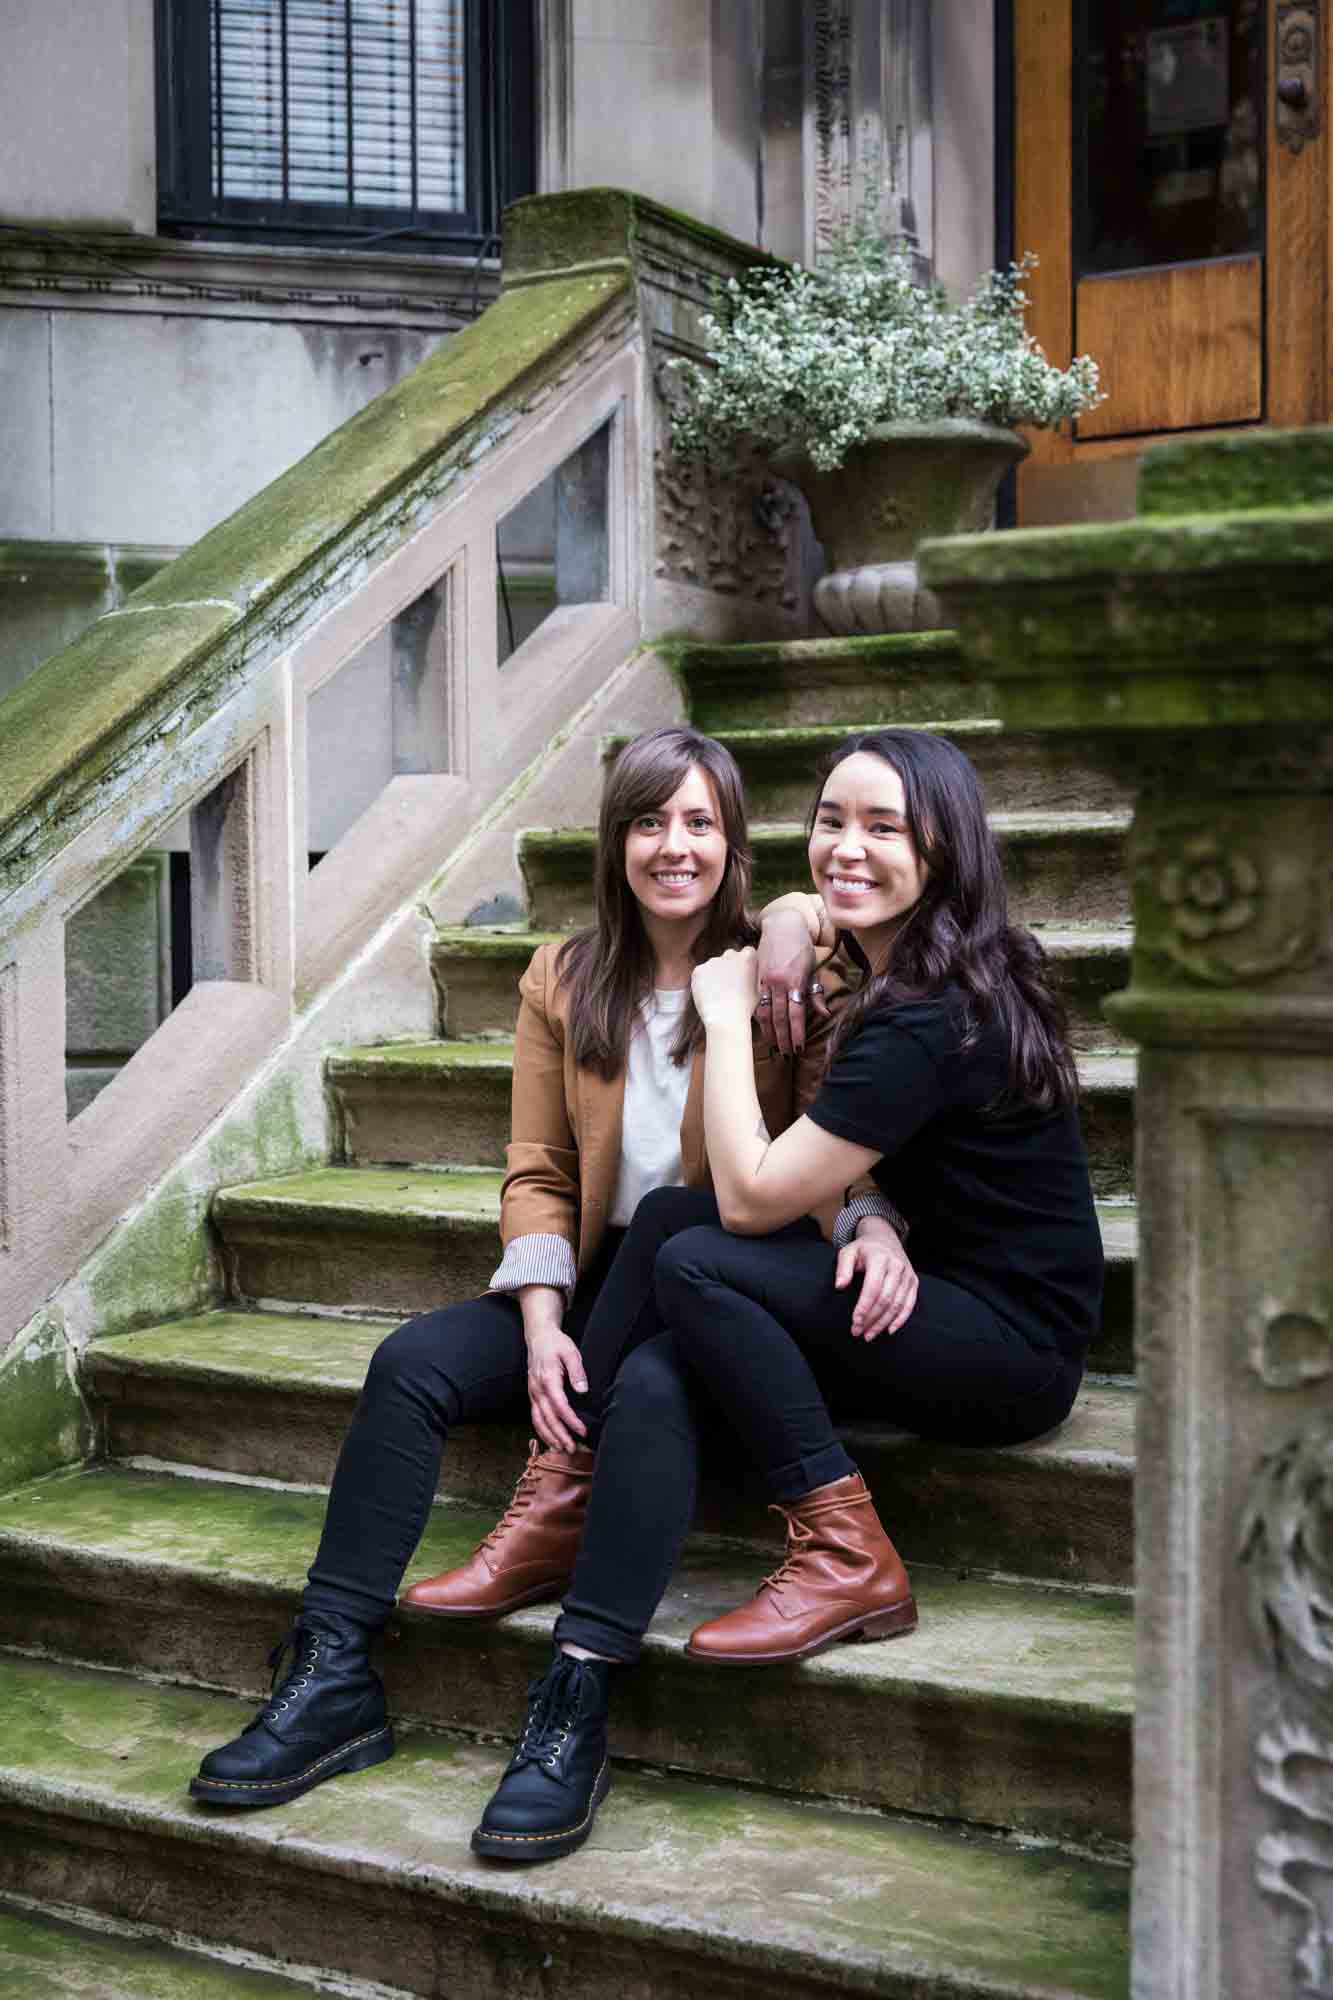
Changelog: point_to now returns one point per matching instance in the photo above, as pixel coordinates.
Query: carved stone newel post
(1195, 644)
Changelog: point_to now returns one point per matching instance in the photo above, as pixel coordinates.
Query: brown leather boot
(841, 1578)
(529, 1553)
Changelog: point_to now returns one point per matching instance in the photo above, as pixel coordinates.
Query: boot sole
(543, 1846)
(358, 1755)
(547, 1593)
(895, 1623)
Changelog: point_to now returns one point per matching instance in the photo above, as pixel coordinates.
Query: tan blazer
(564, 1150)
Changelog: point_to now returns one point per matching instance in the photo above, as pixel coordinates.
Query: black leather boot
(559, 1774)
(326, 1714)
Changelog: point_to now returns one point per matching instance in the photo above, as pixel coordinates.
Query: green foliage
(813, 361)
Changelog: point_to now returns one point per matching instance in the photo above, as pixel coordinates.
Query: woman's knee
(650, 1388)
(692, 1260)
(402, 1356)
(663, 1212)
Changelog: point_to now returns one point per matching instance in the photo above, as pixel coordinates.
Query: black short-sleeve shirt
(998, 1202)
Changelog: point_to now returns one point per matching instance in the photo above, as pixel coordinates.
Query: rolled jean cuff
(801, 1476)
(611, 1641)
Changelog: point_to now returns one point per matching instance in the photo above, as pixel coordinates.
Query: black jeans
(463, 1364)
(759, 1342)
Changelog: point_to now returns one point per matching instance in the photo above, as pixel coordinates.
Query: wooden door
(1172, 173)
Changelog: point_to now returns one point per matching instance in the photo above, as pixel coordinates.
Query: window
(379, 123)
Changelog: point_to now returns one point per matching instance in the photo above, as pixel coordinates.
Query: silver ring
(796, 998)
(817, 988)
(765, 999)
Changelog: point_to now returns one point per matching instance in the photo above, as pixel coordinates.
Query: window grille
(391, 120)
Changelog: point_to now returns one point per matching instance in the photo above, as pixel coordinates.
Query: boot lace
(797, 1537)
(552, 1709)
(522, 1497)
(303, 1644)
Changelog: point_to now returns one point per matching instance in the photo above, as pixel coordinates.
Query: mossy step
(682, 1888)
(1011, 1705)
(446, 1103)
(394, 1239)
(438, 1103)
(1021, 772)
(783, 684)
(476, 975)
(405, 1239)
(46, 1958)
(270, 1395)
(1062, 868)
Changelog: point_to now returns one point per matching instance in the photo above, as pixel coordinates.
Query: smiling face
(676, 855)
(862, 854)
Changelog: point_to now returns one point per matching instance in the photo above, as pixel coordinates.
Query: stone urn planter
(906, 483)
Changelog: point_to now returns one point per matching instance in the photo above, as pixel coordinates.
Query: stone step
(1062, 868)
(476, 976)
(1021, 772)
(448, 1103)
(269, 1396)
(45, 1957)
(911, 677)
(404, 1239)
(719, 1893)
(1010, 1706)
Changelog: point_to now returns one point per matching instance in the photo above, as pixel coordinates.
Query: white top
(655, 1093)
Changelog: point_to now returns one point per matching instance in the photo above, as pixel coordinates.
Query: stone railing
(1196, 644)
(193, 695)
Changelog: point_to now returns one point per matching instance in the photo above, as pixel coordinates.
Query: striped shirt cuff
(844, 1229)
(536, 1260)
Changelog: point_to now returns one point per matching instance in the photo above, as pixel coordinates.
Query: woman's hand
(726, 988)
(888, 1282)
(789, 994)
(553, 1359)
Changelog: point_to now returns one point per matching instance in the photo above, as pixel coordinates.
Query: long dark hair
(959, 933)
(608, 968)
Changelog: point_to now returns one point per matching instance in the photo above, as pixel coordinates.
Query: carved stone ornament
(1286, 1549)
(728, 526)
(1229, 909)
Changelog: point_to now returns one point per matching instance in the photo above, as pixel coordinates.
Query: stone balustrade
(194, 695)
(1196, 643)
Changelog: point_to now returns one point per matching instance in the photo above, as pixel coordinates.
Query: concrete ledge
(725, 1895)
(269, 1396)
(1010, 1706)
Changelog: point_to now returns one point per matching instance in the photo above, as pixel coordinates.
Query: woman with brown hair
(607, 1105)
(950, 1083)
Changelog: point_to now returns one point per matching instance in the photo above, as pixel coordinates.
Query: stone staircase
(948, 1817)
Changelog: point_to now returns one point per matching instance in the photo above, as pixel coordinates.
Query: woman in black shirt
(950, 1082)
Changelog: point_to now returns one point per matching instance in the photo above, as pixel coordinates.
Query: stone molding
(242, 629)
(867, 122)
(124, 273)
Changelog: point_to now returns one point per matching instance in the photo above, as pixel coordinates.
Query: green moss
(561, 232)
(1235, 472)
(80, 700)
(507, 946)
(73, 710)
(43, 1421)
(892, 649)
(45, 1960)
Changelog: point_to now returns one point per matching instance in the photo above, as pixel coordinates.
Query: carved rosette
(1237, 895)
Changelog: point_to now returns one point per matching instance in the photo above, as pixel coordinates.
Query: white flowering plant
(812, 361)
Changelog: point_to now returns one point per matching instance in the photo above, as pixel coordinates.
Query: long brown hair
(608, 968)
(958, 933)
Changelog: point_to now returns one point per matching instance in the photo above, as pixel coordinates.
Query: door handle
(1297, 67)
